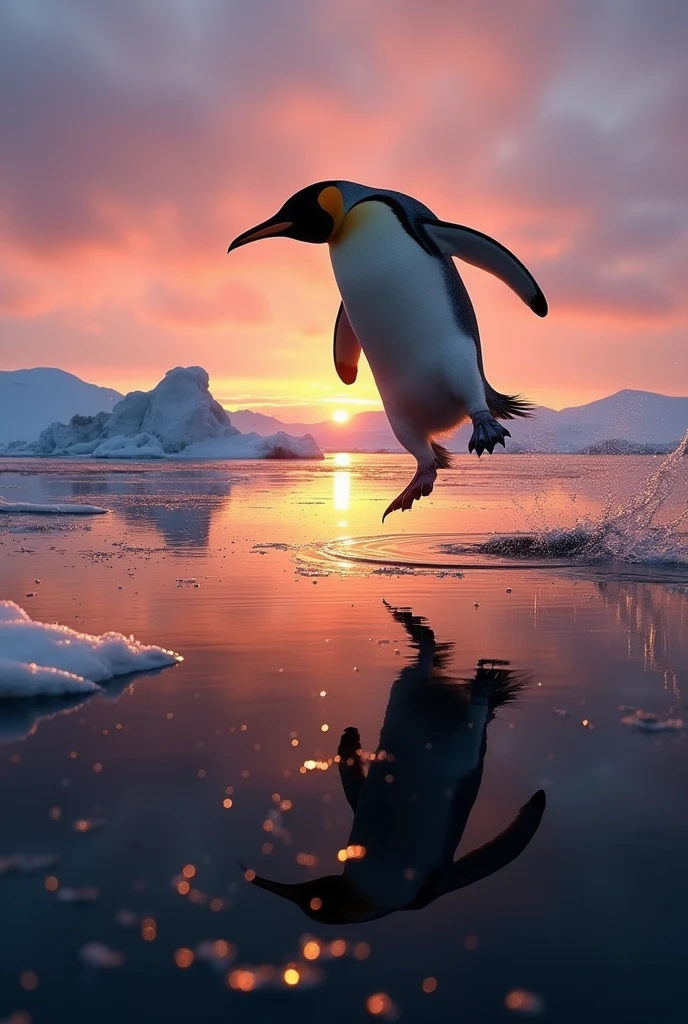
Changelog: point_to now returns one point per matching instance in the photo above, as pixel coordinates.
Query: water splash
(628, 534)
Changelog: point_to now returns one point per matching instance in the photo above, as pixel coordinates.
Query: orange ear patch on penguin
(332, 201)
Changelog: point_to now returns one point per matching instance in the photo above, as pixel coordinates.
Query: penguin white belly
(396, 298)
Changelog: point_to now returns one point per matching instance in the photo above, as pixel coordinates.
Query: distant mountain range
(32, 399)
(627, 422)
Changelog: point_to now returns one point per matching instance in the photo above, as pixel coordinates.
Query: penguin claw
(487, 432)
(421, 485)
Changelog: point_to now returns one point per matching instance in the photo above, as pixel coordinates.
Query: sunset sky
(140, 136)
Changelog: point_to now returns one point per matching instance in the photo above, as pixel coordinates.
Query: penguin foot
(486, 434)
(421, 485)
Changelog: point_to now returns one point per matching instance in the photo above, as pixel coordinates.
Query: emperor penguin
(411, 807)
(405, 306)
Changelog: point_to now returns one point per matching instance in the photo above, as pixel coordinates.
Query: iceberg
(178, 418)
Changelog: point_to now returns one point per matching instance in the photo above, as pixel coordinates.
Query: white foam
(629, 534)
(40, 659)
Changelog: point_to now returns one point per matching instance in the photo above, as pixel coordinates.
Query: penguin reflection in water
(411, 808)
(405, 306)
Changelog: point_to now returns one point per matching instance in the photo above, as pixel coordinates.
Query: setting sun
(340, 415)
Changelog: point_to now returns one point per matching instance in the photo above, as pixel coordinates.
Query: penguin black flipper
(351, 770)
(347, 348)
(482, 251)
(493, 856)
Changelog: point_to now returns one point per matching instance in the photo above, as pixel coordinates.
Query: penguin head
(331, 899)
(314, 214)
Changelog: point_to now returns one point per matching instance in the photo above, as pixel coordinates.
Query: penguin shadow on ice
(412, 804)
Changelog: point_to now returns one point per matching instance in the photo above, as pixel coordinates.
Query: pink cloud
(185, 309)
(139, 139)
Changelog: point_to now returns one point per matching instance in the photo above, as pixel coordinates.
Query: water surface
(286, 597)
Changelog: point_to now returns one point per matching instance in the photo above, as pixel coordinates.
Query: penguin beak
(268, 229)
(296, 893)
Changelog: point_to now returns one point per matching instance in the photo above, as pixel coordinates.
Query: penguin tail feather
(443, 459)
(508, 407)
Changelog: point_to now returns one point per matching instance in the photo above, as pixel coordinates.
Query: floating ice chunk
(27, 679)
(27, 507)
(97, 954)
(46, 659)
(88, 894)
(26, 864)
(127, 918)
(646, 721)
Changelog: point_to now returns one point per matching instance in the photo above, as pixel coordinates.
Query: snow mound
(179, 417)
(40, 659)
(61, 510)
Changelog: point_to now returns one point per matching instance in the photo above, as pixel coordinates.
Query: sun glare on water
(340, 415)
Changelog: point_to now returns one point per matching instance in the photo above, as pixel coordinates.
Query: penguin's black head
(313, 214)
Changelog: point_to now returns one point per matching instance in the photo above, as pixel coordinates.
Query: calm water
(293, 629)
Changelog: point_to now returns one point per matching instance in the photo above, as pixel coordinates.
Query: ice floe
(15, 507)
(41, 659)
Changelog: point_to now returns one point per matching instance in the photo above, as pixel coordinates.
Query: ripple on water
(632, 541)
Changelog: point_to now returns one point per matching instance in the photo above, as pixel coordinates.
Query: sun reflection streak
(342, 490)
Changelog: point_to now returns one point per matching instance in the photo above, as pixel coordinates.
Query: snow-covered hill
(31, 398)
(178, 418)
